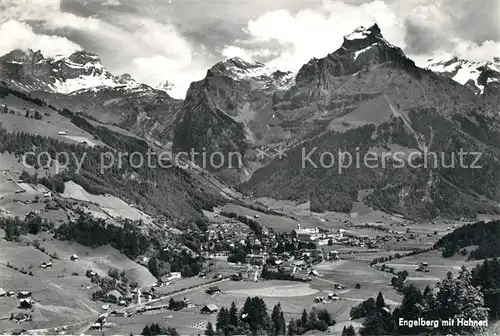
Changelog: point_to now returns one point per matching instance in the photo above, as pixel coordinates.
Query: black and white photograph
(250, 167)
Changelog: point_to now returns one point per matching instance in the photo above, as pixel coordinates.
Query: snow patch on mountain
(359, 33)
(62, 74)
(359, 52)
(463, 71)
(244, 70)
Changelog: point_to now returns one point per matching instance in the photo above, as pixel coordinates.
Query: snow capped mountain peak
(475, 75)
(363, 37)
(80, 70)
(358, 34)
(363, 32)
(243, 70)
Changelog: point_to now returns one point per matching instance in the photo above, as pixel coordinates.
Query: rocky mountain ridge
(483, 78)
(81, 83)
(30, 70)
(367, 93)
(375, 100)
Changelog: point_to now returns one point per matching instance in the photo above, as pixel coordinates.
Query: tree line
(486, 236)
(170, 192)
(89, 231)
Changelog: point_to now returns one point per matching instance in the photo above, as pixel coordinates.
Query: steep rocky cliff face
(81, 70)
(230, 112)
(246, 108)
(377, 103)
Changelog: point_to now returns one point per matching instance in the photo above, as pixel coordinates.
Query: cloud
(476, 52)
(443, 27)
(314, 32)
(25, 38)
(151, 51)
(232, 51)
(422, 28)
(157, 69)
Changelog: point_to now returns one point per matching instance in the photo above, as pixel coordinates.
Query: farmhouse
(422, 267)
(25, 303)
(171, 276)
(256, 259)
(189, 303)
(114, 296)
(129, 297)
(22, 317)
(332, 296)
(209, 309)
(74, 257)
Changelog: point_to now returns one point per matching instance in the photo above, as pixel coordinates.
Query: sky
(177, 41)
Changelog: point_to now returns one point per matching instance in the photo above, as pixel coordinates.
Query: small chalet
(22, 317)
(209, 309)
(25, 303)
(74, 257)
(213, 290)
(46, 265)
(95, 326)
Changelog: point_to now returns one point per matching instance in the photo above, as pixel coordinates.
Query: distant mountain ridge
(81, 70)
(374, 99)
(366, 94)
(480, 77)
(81, 83)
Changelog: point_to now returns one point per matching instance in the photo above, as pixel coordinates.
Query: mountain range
(367, 96)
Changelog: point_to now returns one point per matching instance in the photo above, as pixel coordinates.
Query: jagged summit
(242, 63)
(363, 37)
(361, 49)
(362, 32)
(30, 70)
(239, 69)
(235, 65)
(84, 57)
